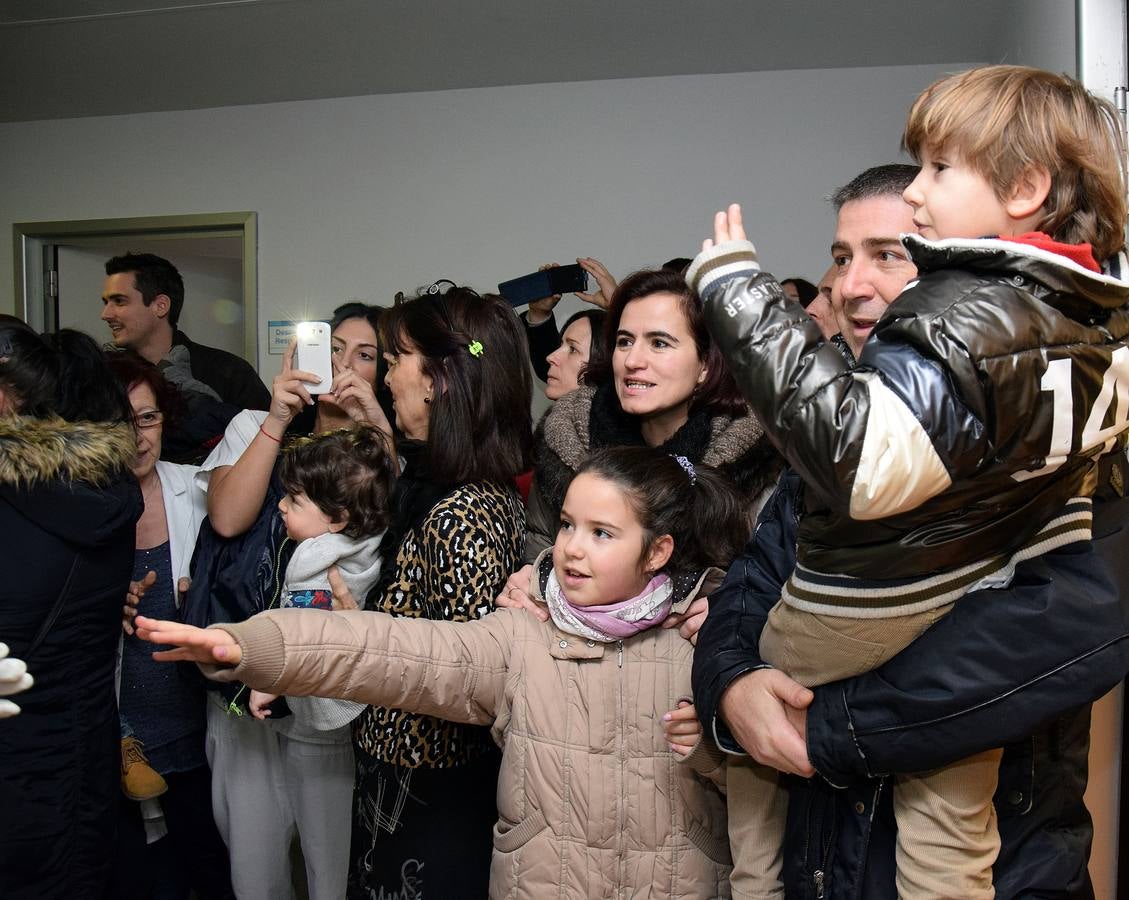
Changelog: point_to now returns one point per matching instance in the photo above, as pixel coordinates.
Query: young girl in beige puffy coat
(592, 799)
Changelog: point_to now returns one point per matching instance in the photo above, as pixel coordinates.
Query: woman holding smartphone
(274, 778)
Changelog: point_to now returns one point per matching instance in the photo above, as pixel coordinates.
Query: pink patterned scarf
(614, 621)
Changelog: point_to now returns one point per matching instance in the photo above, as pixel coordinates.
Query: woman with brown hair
(424, 803)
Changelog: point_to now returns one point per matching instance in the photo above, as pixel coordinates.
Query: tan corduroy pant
(947, 833)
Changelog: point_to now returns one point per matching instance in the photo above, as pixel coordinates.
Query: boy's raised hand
(727, 226)
(190, 644)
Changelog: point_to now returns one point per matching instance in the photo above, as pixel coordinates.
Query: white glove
(13, 679)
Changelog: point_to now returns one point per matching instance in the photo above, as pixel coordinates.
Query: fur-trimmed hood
(34, 450)
(568, 431)
(590, 417)
(69, 478)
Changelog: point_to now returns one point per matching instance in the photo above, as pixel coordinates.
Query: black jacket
(543, 339)
(989, 674)
(68, 509)
(234, 578)
(230, 376)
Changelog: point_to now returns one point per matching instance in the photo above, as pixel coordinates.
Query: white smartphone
(315, 354)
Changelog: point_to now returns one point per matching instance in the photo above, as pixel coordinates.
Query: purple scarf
(613, 621)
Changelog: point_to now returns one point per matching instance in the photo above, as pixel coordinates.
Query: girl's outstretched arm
(211, 646)
(455, 670)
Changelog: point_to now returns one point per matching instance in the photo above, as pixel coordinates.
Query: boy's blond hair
(1002, 119)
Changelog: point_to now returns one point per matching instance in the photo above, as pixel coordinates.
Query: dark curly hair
(346, 473)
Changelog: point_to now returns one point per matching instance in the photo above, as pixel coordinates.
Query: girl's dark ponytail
(696, 505)
(717, 523)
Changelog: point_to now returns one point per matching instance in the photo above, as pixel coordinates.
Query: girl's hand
(689, 622)
(727, 226)
(604, 280)
(288, 391)
(259, 703)
(515, 595)
(190, 644)
(682, 728)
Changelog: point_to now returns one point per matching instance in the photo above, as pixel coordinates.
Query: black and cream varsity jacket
(965, 440)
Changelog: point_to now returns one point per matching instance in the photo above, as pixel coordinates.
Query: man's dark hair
(152, 275)
(889, 180)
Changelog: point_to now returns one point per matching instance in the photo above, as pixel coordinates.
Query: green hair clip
(475, 348)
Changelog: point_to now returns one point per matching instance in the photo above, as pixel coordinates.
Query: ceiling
(66, 58)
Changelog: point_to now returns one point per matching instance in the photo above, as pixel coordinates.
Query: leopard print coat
(451, 566)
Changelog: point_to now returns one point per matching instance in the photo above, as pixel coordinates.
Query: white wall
(361, 197)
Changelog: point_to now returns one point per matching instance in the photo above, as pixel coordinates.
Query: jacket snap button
(860, 807)
(563, 644)
(1017, 280)
(1015, 798)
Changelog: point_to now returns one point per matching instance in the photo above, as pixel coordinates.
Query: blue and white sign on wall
(281, 333)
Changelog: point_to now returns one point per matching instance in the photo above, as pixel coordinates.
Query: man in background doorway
(142, 298)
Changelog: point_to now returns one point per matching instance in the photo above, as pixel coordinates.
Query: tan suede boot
(139, 780)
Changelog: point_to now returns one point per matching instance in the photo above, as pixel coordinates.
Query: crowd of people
(798, 589)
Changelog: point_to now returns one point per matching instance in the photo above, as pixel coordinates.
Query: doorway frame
(29, 239)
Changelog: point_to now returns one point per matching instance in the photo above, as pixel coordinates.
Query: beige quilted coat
(591, 801)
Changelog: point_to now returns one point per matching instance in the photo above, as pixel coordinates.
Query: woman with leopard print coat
(424, 800)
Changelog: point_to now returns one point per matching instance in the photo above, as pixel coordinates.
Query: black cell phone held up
(558, 280)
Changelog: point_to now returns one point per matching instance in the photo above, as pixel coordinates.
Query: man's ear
(161, 305)
(1029, 192)
(659, 555)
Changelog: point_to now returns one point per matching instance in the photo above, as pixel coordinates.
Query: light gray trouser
(265, 788)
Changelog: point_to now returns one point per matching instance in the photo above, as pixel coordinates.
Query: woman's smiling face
(655, 361)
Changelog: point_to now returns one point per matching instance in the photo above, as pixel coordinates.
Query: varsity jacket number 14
(961, 442)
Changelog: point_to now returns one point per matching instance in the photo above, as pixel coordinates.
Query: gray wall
(361, 197)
